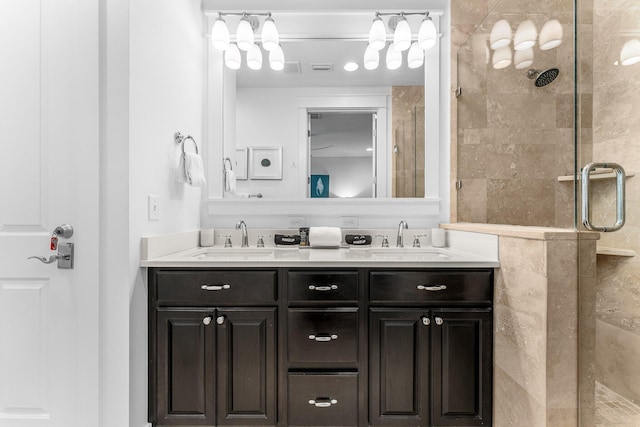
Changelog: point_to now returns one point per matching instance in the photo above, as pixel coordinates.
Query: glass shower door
(608, 40)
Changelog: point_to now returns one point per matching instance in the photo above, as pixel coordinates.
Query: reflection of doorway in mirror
(407, 118)
(342, 146)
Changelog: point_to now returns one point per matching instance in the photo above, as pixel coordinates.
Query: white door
(49, 123)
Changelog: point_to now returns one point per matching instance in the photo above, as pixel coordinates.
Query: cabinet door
(462, 348)
(247, 366)
(399, 367)
(184, 370)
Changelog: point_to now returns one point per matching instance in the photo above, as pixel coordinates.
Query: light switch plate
(154, 208)
(348, 222)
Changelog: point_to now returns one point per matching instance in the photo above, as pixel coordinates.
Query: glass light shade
(270, 37)
(500, 34)
(254, 58)
(377, 34)
(220, 38)
(402, 35)
(351, 66)
(244, 35)
(415, 57)
(502, 57)
(232, 57)
(630, 53)
(371, 58)
(427, 35)
(523, 58)
(276, 59)
(526, 35)
(394, 57)
(550, 35)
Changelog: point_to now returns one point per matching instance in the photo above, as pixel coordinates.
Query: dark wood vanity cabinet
(320, 347)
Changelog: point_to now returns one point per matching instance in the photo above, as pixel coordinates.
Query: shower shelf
(597, 174)
(604, 250)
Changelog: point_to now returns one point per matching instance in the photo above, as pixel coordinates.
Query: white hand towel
(231, 180)
(191, 170)
(325, 237)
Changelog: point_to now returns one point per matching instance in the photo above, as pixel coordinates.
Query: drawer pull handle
(432, 288)
(215, 287)
(323, 288)
(323, 402)
(323, 337)
(439, 321)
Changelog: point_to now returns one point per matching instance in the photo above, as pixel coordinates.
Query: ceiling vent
(292, 67)
(322, 67)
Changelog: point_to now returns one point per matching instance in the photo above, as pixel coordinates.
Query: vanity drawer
(450, 287)
(323, 336)
(320, 286)
(223, 287)
(323, 399)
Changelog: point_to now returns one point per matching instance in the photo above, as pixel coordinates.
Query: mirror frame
(220, 127)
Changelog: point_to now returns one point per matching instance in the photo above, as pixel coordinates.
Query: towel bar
(181, 139)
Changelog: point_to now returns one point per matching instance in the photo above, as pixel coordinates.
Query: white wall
(166, 95)
(348, 176)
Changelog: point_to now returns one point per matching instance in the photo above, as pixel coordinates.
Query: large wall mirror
(382, 129)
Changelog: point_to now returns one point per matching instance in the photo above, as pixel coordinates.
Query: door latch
(65, 250)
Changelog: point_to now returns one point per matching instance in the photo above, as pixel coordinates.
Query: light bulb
(270, 37)
(502, 57)
(500, 34)
(526, 36)
(244, 34)
(427, 35)
(371, 58)
(232, 57)
(254, 58)
(351, 66)
(394, 57)
(415, 58)
(220, 38)
(523, 58)
(377, 34)
(550, 35)
(630, 53)
(276, 59)
(402, 35)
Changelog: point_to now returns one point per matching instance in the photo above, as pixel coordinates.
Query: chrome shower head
(543, 78)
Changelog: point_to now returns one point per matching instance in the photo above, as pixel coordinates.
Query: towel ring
(224, 163)
(181, 139)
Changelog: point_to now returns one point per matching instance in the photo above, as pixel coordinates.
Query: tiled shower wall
(512, 140)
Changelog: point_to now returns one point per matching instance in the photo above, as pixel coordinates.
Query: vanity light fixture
(351, 66)
(232, 57)
(371, 58)
(377, 34)
(415, 58)
(550, 35)
(270, 36)
(394, 58)
(220, 34)
(526, 35)
(401, 33)
(523, 58)
(254, 58)
(502, 57)
(630, 53)
(427, 35)
(500, 34)
(244, 33)
(276, 59)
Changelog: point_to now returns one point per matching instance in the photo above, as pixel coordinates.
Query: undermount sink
(235, 253)
(413, 254)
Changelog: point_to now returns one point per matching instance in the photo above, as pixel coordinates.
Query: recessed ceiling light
(351, 66)
(369, 148)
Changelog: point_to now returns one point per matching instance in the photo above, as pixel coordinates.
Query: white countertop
(466, 250)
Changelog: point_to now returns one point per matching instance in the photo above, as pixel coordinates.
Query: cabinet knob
(220, 320)
(332, 287)
(426, 321)
(215, 287)
(323, 402)
(431, 288)
(439, 321)
(323, 337)
(207, 320)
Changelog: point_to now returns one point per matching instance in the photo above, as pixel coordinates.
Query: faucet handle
(260, 243)
(385, 240)
(416, 239)
(227, 241)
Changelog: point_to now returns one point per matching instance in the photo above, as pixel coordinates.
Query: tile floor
(613, 410)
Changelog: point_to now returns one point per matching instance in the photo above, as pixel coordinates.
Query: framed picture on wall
(241, 162)
(319, 186)
(265, 162)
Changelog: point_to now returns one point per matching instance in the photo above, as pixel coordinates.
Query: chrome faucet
(401, 227)
(240, 225)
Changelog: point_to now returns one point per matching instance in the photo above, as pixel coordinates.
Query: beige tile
(562, 417)
(562, 259)
(468, 13)
(513, 406)
(510, 110)
(523, 254)
(509, 206)
(472, 201)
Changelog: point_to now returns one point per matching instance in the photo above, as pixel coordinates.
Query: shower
(543, 78)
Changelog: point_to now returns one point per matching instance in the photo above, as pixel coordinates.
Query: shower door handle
(586, 197)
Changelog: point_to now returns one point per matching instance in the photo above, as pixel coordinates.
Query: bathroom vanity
(298, 341)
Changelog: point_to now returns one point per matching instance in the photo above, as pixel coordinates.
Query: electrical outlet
(348, 222)
(154, 207)
(296, 222)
